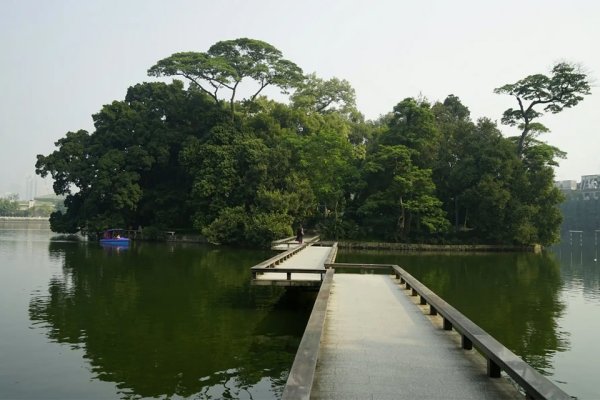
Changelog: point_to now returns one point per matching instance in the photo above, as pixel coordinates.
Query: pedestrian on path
(299, 234)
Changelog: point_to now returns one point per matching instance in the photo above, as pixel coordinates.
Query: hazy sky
(62, 60)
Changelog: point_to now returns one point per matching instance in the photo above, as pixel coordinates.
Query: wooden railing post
(466, 343)
(498, 357)
(493, 369)
(447, 324)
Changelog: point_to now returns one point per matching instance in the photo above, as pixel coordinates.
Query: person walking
(299, 234)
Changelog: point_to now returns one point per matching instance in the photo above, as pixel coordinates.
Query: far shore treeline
(211, 154)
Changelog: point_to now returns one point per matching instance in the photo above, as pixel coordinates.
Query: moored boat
(114, 237)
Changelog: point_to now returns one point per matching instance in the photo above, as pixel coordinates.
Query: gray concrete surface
(379, 345)
(311, 257)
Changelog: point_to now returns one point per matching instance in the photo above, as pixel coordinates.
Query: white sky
(62, 60)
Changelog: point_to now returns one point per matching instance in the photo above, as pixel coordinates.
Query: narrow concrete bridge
(378, 333)
(301, 264)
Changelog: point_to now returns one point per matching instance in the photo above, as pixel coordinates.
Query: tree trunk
(456, 214)
(400, 223)
(522, 140)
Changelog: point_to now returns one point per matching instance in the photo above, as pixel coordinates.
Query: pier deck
(310, 258)
(302, 264)
(377, 344)
(369, 336)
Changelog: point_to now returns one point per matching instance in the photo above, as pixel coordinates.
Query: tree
(481, 181)
(227, 63)
(455, 127)
(412, 124)
(127, 172)
(244, 188)
(323, 96)
(171, 157)
(8, 207)
(399, 199)
(537, 196)
(330, 173)
(494, 187)
(313, 148)
(565, 88)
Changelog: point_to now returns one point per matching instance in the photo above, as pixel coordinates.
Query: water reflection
(114, 248)
(580, 265)
(514, 297)
(181, 323)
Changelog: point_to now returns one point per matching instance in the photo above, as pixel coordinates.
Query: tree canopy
(227, 63)
(245, 171)
(564, 88)
(324, 96)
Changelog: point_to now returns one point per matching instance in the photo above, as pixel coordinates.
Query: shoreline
(24, 219)
(172, 237)
(421, 247)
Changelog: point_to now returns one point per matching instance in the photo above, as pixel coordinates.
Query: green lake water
(78, 321)
(154, 321)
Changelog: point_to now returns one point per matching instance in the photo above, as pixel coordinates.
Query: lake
(154, 321)
(182, 321)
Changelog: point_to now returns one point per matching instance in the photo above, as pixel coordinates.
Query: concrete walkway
(311, 257)
(290, 244)
(378, 345)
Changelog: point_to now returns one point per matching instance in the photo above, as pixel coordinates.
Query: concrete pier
(384, 335)
(302, 265)
(378, 344)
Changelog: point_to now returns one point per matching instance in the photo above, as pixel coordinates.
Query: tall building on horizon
(35, 186)
(29, 188)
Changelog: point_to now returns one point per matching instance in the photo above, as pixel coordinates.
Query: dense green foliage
(246, 172)
(9, 206)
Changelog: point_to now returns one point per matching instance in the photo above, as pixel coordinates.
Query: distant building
(587, 189)
(581, 208)
(590, 182)
(25, 205)
(566, 185)
(590, 187)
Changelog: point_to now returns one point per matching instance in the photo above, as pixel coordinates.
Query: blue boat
(114, 237)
